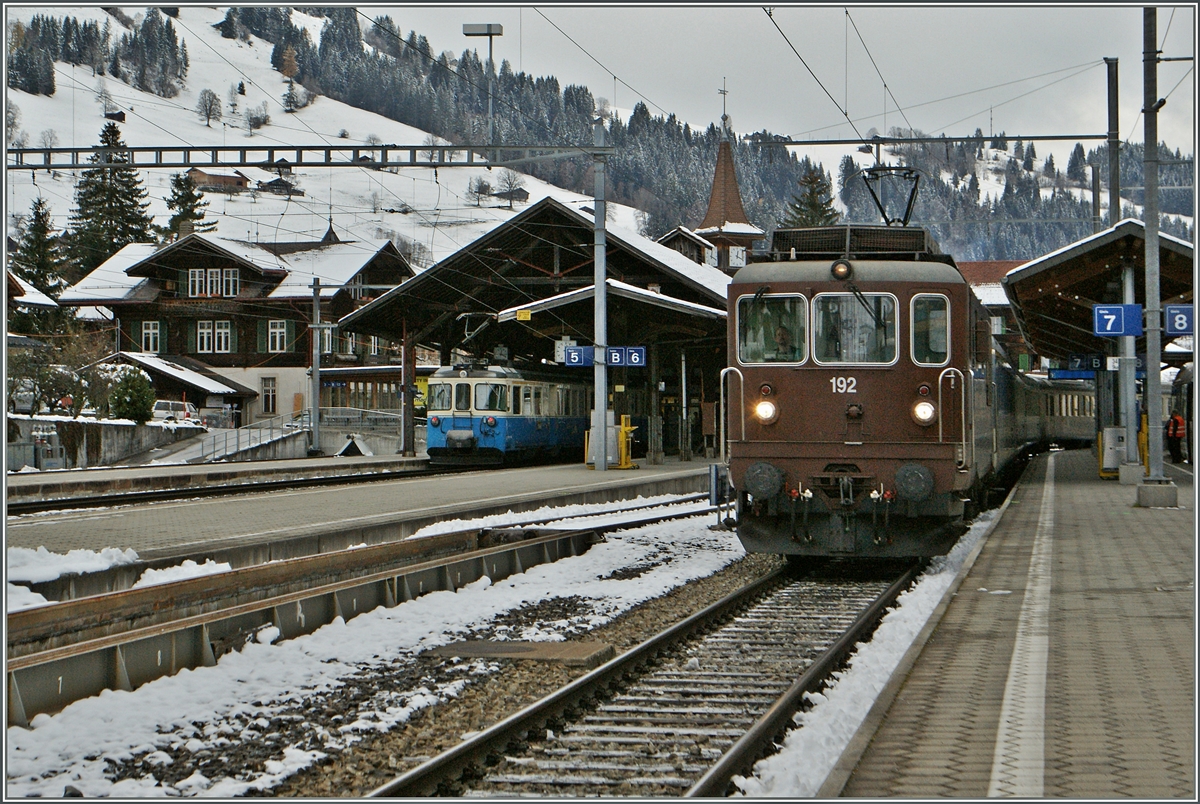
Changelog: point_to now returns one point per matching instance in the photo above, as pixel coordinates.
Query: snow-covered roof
(1079, 246)
(178, 372)
(616, 288)
(109, 280)
(31, 296)
(689, 234)
(991, 294)
(729, 227)
(711, 279)
(226, 173)
(334, 264)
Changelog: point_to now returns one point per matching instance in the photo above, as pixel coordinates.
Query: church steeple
(725, 223)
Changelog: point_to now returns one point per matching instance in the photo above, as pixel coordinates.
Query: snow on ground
(188, 569)
(209, 707)
(21, 597)
(442, 220)
(809, 753)
(39, 565)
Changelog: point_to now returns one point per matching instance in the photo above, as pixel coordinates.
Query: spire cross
(722, 92)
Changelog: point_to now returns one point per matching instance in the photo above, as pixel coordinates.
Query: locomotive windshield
(930, 330)
(491, 396)
(772, 329)
(855, 328)
(439, 396)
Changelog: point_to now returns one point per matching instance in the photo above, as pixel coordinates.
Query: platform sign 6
(635, 355)
(1116, 320)
(1180, 319)
(578, 356)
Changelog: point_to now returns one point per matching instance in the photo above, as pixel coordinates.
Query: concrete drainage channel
(61, 653)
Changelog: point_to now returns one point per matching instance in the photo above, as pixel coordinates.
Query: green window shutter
(163, 344)
(291, 335)
(134, 330)
(233, 343)
(262, 337)
(191, 335)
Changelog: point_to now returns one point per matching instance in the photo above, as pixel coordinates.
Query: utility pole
(600, 314)
(489, 30)
(315, 448)
(1155, 490)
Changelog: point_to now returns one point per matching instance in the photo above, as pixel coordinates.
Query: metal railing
(218, 445)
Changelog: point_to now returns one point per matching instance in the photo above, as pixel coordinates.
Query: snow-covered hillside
(442, 219)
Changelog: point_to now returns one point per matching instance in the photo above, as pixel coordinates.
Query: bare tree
(104, 97)
(233, 98)
(373, 141)
(49, 139)
(208, 106)
(509, 182)
(12, 119)
(429, 143)
(479, 189)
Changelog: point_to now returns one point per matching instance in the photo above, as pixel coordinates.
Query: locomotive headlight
(765, 411)
(924, 412)
(490, 421)
(434, 421)
(841, 270)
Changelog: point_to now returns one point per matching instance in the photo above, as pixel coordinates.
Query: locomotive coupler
(884, 498)
(795, 495)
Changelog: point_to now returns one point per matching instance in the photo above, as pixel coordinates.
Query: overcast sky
(676, 58)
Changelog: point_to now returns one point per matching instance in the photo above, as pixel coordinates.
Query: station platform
(1063, 665)
(252, 528)
(74, 483)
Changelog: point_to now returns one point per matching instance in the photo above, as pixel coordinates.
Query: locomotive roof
(541, 374)
(759, 273)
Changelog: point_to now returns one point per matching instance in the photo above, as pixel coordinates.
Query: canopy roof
(1053, 295)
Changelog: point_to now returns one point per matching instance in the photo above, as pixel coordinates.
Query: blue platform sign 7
(1180, 319)
(578, 356)
(1116, 320)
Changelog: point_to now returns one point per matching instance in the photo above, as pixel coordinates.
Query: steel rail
(769, 729)
(425, 779)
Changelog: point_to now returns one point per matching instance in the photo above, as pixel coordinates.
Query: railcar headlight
(924, 412)
(490, 421)
(766, 411)
(434, 421)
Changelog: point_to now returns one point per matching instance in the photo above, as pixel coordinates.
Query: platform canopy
(533, 263)
(1053, 295)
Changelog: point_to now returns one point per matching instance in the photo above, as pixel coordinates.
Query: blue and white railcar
(498, 414)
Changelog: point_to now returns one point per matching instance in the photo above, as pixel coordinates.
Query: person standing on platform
(1176, 431)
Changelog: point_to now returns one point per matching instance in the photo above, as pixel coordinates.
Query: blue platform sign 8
(1180, 319)
(1116, 320)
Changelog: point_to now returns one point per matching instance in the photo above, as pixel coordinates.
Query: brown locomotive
(873, 404)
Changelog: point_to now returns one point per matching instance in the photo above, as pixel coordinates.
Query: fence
(221, 445)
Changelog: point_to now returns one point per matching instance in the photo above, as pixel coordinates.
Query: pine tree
(1049, 169)
(188, 204)
(813, 206)
(1076, 164)
(110, 208)
(38, 260)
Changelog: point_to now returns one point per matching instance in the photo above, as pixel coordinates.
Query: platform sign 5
(1180, 320)
(578, 356)
(635, 355)
(1116, 320)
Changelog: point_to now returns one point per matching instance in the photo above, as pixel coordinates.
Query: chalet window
(204, 336)
(196, 282)
(374, 344)
(326, 341)
(356, 287)
(348, 344)
(230, 280)
(222, 341)
(150, 340)
(277, 336)
(268, 394)
(214, 282)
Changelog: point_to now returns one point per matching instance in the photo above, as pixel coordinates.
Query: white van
(167, 410)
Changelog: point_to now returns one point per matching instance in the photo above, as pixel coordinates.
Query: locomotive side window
(854, 328)
(772, 329)
(438, 396)
(462, 396)
(930, 330)
(491, 396)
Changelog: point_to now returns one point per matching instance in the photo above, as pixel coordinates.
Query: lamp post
(490, 30)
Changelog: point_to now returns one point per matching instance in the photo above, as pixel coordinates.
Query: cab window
(772, 329)
(438, 396)
(462, 396)
(491, 396)
(930, 330)
(854, 328)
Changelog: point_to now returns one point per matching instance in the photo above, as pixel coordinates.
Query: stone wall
(90, 443)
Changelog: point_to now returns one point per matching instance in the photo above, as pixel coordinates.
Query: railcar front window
(772, 329)
(489, 396)
(930, 330)
(854, 328)
(438, 396)
(462, 396)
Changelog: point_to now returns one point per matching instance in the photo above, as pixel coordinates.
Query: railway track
(60, 653)
(683, 712)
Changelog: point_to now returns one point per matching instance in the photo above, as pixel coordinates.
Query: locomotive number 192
(843, 385)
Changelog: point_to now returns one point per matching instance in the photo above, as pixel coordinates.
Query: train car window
(772, 329)
(438, 396)
(491, 396)
(537, 401)
(854, 328)
(930, 330)
(516, 400)
(462, 396)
